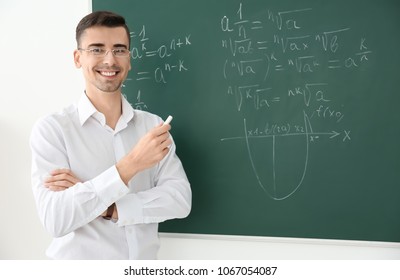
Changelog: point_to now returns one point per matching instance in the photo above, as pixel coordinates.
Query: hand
(114, 215)
(150, 150)
(60, 180)
(152, 147)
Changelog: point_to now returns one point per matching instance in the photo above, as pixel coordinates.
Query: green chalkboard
(286, 113)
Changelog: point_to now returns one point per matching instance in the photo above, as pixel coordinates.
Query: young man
(104, 175)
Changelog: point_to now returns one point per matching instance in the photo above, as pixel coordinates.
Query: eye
(120, 52)
(97, 51)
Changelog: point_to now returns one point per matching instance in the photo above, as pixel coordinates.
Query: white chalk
(168, 120)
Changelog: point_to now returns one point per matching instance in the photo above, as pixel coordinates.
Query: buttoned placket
(120, 152)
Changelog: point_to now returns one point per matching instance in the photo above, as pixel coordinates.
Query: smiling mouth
(108, 73)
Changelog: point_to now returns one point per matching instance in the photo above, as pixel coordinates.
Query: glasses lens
(97, 51)
(120, 52)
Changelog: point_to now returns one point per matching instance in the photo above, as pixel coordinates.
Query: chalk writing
(157, 61)
(278, 45)
(164, 54)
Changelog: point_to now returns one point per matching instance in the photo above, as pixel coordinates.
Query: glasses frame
(91, 52)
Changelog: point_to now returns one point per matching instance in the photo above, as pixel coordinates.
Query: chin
(110, 90)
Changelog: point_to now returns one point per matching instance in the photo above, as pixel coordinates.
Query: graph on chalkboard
(285, 112)
(295, 52)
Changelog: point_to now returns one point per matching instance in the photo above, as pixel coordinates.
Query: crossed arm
(62, 179)
(151, 148)
(66, 201)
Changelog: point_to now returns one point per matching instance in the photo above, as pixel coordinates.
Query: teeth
(108, 73)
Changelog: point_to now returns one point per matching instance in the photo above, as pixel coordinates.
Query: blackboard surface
(286, 113)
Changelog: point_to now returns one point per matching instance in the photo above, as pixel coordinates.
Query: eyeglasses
(100, 52)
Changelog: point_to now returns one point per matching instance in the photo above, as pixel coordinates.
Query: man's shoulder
(58, 119)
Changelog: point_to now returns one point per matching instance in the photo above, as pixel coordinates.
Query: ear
(77, 58)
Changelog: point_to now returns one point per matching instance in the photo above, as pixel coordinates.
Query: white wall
(37, 39)
(37, 77)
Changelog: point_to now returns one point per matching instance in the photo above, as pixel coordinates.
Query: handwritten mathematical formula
(164, 56)
(259, 55)
(278, 46)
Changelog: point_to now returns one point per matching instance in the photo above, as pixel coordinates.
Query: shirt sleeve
(169, 198)
(64, 211)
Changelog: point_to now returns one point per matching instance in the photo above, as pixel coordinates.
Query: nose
(109, 58)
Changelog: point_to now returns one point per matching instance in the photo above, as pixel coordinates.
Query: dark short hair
(100, 18)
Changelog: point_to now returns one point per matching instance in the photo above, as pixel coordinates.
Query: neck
(109, 104)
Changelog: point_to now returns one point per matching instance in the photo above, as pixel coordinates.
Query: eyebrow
(96, 45)
(102, 45)
(120, 46)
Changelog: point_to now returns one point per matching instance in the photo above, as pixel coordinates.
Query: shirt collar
(86, 109)
(127, 110)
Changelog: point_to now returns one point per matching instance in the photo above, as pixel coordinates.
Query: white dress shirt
(79, 139)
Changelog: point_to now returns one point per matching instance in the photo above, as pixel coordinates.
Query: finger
(61, 171)
(167, 127)
(164, 153)
(164, 146)
(64, 184)
(161, 129)
(63, 174)
(164, 132)
(62, 177)
(164, 137)
(166, 143)
(56, 188)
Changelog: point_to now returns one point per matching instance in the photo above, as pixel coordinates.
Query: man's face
(103, 73)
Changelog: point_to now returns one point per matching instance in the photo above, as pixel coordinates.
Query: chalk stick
(168, 120)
